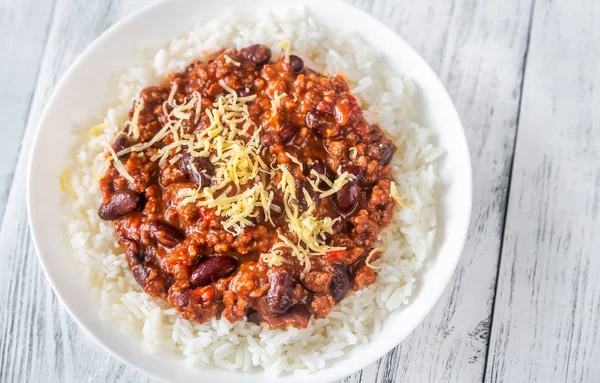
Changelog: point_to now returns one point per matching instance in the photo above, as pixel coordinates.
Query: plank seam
(509, 184)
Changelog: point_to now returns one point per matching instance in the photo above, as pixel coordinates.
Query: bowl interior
(82, 94)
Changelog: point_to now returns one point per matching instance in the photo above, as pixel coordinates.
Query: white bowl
(82, 94)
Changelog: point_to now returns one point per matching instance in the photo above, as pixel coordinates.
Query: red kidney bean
(120, 204)
(312, 120)
(121, 142)
(296, 64)
(148, 255)
(277, 208)
(347, 197)
(140, 274)
(145, 275)
(204, 171)
(253, 316)
(384, 151)
(211, 269)
(279, 296)
(340, 282)
(164, 233)
(182, 299)
(317, 165)
(288, 132)
(298, 315)
(258, 54)
(354, 170)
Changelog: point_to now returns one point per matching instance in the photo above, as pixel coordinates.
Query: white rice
(387, 99)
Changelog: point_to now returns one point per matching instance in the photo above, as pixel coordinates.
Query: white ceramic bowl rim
(66, 108)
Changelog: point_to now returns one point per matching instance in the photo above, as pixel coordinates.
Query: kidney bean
(288, 132)
(140, 274)
(347, 197)
(258, 54)
(211, 269)
(387, 152)
(145, 275)
(204, 171)
(296, 64)
(312, 120)
(121, 142)
(298, 315)
(277, 208)
(253, 316)
(318, 166)
(148, 255)
(131, 251)
(120, 204)
(340, 282)
(354, 170)
(164, 233)
(384, 151)
(279, 296)
(182, 299)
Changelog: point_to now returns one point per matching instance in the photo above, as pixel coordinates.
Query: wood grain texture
(478, 49)
(38, 340)
(546, 314)
(548, 302)
(18, 73)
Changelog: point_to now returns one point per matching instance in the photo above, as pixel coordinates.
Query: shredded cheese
(231, 141)
(96, 130)
(373, 252)
(134, 129)
(295, 160)
(395, 194)
(309, 230)
(119, 166)
(230, 60)
(340, 181)
(276, 102)
(66, 181)
(286, 46)
(353, 153)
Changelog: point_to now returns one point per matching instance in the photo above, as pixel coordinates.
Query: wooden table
(524, 303)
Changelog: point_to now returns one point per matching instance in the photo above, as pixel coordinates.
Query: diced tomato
(337, 255)
(248, 233)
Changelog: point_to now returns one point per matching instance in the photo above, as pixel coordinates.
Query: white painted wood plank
(453, 37)
(23, 29)
(38, 340)
(548, 301)
(477, 48)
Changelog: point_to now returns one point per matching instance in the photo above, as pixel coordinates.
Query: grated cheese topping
(230, 60)
(231, 141)
(276, 102)
(395, 194)
(96, 130)
(352, 153)
(373, 252)
(310, 231)
(134, 130)
(119, 165)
